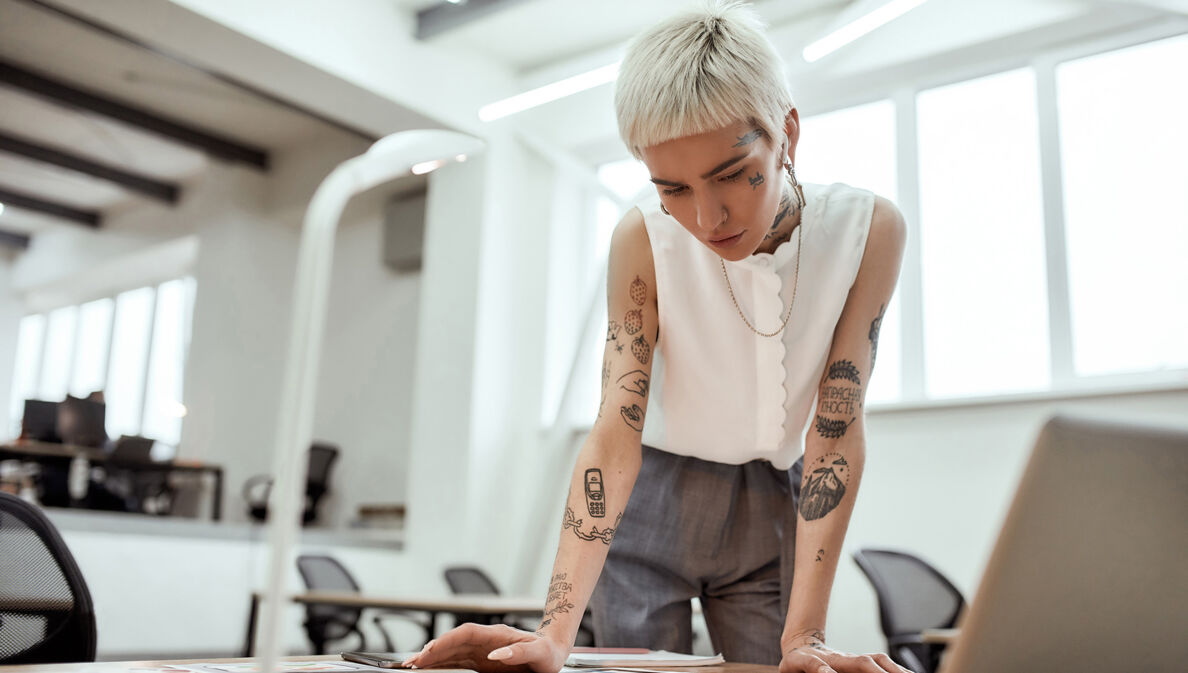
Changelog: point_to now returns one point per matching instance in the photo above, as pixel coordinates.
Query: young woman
(744, 319)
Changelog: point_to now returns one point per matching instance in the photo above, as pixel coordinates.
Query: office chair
(912, 596)
(472, 580)
(326, 623)
(321, 459)
(46, 614)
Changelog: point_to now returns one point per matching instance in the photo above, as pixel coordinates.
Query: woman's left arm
(834, 455)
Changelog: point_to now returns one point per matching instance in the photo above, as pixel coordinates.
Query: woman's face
(723, 186)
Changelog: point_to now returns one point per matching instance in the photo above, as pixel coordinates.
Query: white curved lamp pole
(390, 157)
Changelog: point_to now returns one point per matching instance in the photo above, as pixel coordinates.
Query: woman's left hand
(815, 657)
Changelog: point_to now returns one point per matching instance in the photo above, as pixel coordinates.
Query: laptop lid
(1090, 570)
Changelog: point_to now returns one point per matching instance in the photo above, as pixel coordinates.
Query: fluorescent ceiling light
(859, 27)
(549, 92)
(1, 208)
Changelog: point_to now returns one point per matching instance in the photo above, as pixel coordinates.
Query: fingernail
(501, 653)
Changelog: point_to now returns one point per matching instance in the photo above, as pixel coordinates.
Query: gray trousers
(724, 534)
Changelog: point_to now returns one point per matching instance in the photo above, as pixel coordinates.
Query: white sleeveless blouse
(720, 392)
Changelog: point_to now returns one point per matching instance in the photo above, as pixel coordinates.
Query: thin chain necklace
(795, 286)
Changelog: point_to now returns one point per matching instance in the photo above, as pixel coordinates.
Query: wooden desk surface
(126, 666)
(484, 604)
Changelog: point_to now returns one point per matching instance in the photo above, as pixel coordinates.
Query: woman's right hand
(491, 649)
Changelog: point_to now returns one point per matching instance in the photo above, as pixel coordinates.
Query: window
(1123, 141)
(857, 146)
(129, 359)
(59, 343)
(30, 340)
(985, 300)
(163, 410)
(132, 347)
(90, 348)
(854, 145)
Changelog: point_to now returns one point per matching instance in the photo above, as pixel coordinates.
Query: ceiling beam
(155, 189)
(76, 97)
(90, 218)
(446, 16)
(181, 60)
(12, 239)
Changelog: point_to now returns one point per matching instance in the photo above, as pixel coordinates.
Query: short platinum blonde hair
(698, 72)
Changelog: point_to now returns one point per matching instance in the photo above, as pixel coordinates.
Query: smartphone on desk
(391, 660)
(377, 659)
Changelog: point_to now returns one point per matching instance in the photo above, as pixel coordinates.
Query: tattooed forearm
(756, 181)
(558, 601)
(606, 535)
(749, 138)
(873, 335)
(824, 486)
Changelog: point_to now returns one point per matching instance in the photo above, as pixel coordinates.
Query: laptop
(1090, 570)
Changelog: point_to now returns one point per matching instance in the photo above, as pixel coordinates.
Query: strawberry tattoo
(633, 322)
(641, 350)
(639, 291)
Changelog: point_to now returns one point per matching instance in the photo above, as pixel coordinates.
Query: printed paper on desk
(649, 660)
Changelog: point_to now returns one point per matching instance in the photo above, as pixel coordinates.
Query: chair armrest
(419, 618)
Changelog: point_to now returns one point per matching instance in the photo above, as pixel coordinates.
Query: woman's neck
(786, 220)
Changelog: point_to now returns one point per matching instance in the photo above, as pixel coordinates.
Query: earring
(665, 210)
(796, 188)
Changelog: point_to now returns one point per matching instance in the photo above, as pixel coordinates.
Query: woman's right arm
(602, 478)
(609, 461)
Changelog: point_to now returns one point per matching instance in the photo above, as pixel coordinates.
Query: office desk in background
(461, 604)
(47, 451)
(128, 666)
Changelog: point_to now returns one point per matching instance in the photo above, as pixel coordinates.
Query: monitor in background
(82, 422)
(40, 422)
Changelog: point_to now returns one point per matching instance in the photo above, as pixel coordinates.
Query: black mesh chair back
(317, 482)
(46, 614)
(326, 623)
(322, 457)
(470, 580)
(913, 596)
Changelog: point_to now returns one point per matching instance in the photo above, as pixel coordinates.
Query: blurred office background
(156, 159)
